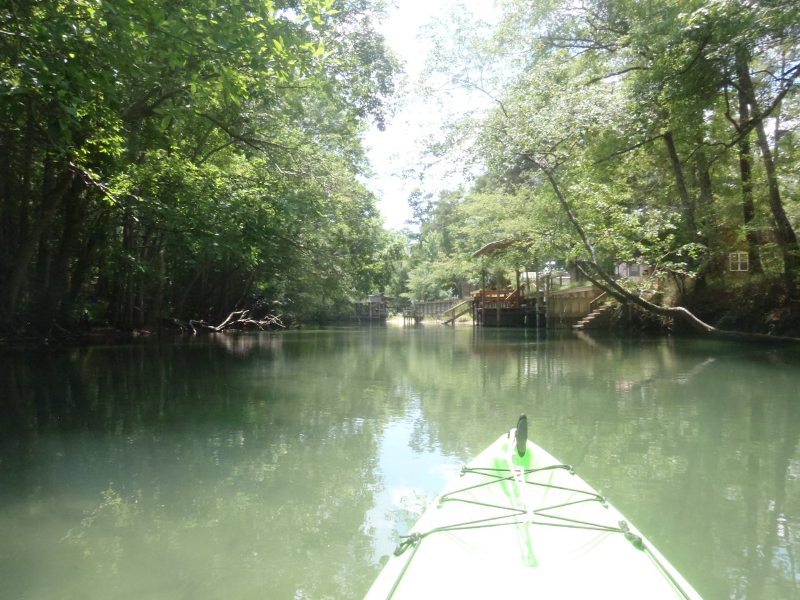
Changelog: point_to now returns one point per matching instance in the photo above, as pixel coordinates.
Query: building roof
(492, 248)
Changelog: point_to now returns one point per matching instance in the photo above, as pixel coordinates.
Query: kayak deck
(526, 526)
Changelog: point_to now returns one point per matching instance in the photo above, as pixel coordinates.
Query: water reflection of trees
(195, 470)
(246, 464)
(695, 441)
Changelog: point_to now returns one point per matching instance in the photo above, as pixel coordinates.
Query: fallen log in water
(237, 320)
(240, 319)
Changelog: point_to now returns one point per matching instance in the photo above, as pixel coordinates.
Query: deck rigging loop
(406, 542)
(526, 514)
(512, 515)
(526, 511)
(508, 515)
(634, 539)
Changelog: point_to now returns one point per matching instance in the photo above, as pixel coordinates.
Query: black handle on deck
(522, 434)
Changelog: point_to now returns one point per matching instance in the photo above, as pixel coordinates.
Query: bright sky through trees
(397, 153)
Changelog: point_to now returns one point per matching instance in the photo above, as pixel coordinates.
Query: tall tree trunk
(746, 174)
(8, 203)
(57, 291)
(55, 184)
(27, 169)
(16, 176)
(688, 204)
(787, 238)
(683, 190)
(180, 307)
(705, 202)
(144, 288)
(81, 269)
(40, 281)
(158, 300)
(128, 296)
(704, 180)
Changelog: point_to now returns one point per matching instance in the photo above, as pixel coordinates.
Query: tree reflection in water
(285, 465)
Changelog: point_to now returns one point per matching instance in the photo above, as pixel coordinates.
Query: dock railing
(505, 298)
(434, 309)
(449, 316)
(601, 299)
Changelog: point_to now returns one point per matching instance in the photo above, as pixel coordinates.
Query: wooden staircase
(595, 316)
(452, 314)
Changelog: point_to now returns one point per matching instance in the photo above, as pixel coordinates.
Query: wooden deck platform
(509, 308)
(505, 308)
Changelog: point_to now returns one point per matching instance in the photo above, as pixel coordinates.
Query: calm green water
(285, 466)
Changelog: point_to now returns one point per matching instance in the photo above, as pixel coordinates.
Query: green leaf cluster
(183, 159)
(658, 132)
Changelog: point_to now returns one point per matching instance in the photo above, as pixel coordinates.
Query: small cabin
(374, 308)
(632, 270)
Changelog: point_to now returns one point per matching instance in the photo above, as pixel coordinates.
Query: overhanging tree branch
(248, 140)
(605, 281)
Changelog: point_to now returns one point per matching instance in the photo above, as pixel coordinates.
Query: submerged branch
(238, 319)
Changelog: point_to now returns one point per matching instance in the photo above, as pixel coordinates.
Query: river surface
(286, 465)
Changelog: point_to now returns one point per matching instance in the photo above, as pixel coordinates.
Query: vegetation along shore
(164, 165)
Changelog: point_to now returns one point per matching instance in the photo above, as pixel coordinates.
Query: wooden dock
(506, 308)
(510, 308)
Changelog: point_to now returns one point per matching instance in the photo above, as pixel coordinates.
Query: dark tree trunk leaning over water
(680, 181)
(606, 282)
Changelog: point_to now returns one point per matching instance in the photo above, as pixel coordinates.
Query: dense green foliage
(185, 158)
(658, 132)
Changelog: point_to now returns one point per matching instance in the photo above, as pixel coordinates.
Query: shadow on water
(286, 465)
(182, 471)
